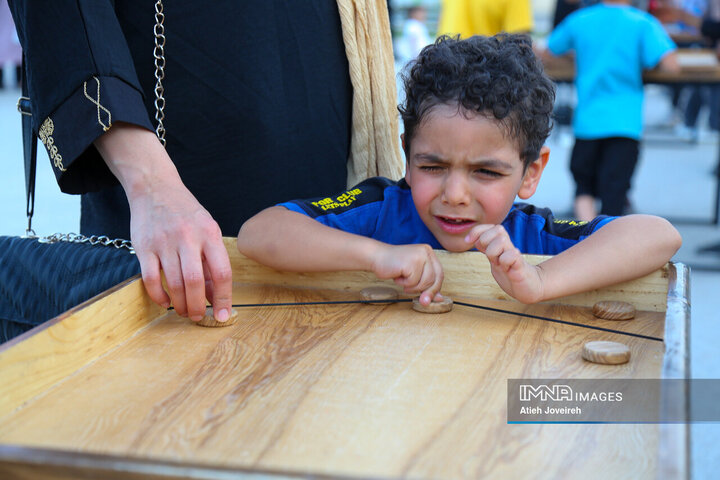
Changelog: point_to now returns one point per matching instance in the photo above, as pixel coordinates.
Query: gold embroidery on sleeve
(45, 135)
(99, 107)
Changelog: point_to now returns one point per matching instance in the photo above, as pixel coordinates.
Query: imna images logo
(555, 393)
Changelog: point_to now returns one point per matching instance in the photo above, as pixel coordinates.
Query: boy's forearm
(287, 240)
(626, 248)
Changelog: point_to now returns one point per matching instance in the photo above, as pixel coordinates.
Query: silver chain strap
(92, 240)
(159, 54)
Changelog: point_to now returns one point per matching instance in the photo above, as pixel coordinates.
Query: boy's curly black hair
(499, 77)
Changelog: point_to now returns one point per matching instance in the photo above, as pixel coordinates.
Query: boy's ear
(402, 139)
(533, 173)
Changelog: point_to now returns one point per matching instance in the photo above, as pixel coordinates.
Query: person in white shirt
(414, 37)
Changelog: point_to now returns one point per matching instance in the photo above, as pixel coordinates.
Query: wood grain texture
(606, 353)
(43, 464)
(353, 390)
(54, 350)
(466, 274)
(613, 310)
(329, 391)
(375, 293)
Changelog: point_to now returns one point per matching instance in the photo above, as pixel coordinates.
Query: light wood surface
(351, 390)
(39, 359)
(467, 274)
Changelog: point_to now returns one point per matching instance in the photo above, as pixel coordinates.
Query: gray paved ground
(673, 180)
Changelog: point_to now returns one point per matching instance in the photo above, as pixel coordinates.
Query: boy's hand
(510, 270)
(415, 267)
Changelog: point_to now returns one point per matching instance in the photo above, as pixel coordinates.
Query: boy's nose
(456, 191)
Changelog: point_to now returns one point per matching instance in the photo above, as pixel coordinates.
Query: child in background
(613, 42)
(414, 36)
(476, 115)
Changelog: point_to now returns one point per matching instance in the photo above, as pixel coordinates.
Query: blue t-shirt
(612, 44)
(383, 209)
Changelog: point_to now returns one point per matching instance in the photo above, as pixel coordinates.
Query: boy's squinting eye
(430, 168)
(488, 173)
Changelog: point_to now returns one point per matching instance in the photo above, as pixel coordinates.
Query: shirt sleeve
(81, 80)
(656, 43)
(536, 231)
(355, 211)
(560, 40)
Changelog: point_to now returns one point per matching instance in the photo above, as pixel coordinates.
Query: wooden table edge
(16, 462)
(673, 459)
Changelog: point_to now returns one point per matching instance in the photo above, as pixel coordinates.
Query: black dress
(258, 98)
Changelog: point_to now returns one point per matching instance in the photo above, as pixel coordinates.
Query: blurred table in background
(699, 67)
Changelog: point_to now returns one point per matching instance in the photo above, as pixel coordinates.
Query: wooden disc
(607, 353)
(209, 321)
(372, 294)
(435, 307)
(610, 310)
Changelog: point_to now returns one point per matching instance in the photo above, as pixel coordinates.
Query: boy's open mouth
(454, 225)
(454, 220)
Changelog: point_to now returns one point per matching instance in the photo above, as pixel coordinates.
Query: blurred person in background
(708, 24)
(690, 99)
(563, 8)
(414, 35)
(485, 17)
(613, 43)
(10, 50)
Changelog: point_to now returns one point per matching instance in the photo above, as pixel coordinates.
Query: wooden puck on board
(607, 353)
(611, 310)
(209, 321)
(435, 307)
(373, 294)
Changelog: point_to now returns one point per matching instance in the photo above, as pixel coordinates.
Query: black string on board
(332, 302)
(554, 320)
(482, 307)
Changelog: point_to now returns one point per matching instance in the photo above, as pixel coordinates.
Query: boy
(613, 43)
(476, 114)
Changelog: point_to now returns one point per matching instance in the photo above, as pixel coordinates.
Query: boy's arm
(625, 248)
(669, 63)
(290, 241)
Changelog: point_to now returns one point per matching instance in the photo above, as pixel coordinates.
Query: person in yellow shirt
(485, 17)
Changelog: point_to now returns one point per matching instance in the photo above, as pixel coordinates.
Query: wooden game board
(120, 388)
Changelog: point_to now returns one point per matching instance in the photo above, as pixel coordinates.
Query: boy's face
(463, 172)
